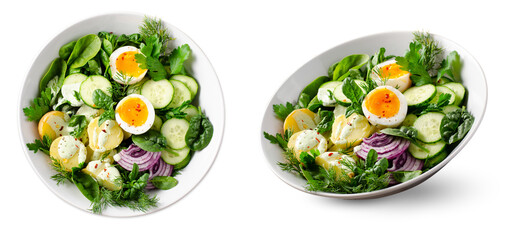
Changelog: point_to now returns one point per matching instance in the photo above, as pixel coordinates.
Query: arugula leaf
(78, 123)
(455, 125)
(282, 111)
(40, 105)
(178, 57)
(42, 145)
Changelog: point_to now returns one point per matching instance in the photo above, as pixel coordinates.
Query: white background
(254, 46)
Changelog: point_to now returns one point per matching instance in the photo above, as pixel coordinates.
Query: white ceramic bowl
(210, 98)
(396, 43)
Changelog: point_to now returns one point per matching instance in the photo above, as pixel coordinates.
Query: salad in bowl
(118, 116)
(373, 124)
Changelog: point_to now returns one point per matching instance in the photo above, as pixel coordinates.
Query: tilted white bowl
(210, 98)
(395, 43)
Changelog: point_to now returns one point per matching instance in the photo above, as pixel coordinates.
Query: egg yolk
(126, 64)
(133, 111)
(383, 103)
(392, 71)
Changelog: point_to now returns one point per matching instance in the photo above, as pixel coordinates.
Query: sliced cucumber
(441, 90)
(160, 93)
(434, 149)
(325, 93)
(174, 130)
(178, 157)
(157, 125)
(431, 162)
(409, 120)
(458, 89)
(428, 127)
(190, 111)
(420, 94)
(450, 108)
(190, 83)
(181, 94)
(92, 83)
(72, 84)
(339, 96)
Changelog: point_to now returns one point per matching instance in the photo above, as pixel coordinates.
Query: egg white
(136, 129)
(115, 73)
(401, 83)
(383, 122)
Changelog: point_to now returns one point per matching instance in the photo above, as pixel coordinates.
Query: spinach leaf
(66, 50)
(200, 132)
(408, 133)
(354, 61)
(151, 141)
(85, 49)
(178, 57)
(86, 184)
(403, 176)
(455, 125)
(57, 70)
(164, 182)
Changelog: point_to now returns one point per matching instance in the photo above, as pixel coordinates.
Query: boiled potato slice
(305, 141)
(349, 132)
(105, 137)
(301, 119)
(74, 161)
(334, 160)
(53, 124)
(105, 174)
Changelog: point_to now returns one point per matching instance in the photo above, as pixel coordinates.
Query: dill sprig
(429, 50)
(152, 26)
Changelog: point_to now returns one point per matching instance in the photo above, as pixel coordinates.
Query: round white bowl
(210, 98)
(396, 43)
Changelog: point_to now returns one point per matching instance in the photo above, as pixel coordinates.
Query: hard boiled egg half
(389, 73)
(124, 67)
(385, 106)
(135, 114)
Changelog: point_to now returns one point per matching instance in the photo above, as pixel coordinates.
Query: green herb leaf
(451, 67)
(86, 185)
(151, 141)
(178, 57)
(325, 124)
(455, 125)
(42, 145)
(403, 176)
(40, 106)
(282, 111)
(164, 182)
(155, 67)
(281, 140)
(78, 123)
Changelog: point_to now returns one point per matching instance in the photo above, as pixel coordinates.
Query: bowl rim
(21, 117)
(390, 190)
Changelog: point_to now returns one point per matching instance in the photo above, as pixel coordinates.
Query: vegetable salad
(116, 116)
(375, 121)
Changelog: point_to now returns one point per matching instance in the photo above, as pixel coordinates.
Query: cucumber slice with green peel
(419, 94)
(190, 83)
(190, 111)
(174, 130)
(178, 157)
(160, 93)
(458, 89)
(312, 88)
(339, 96)
(450, 108)
(428, 127)
(157, 125)
(72, 84)
(92, 83)
(434, 149)
(409, 120)
(431, 162)
(181, 94)
(326, 91)
(441, 90)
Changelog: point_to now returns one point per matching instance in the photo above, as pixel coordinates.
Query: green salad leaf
(151, 141)
(455, 125)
